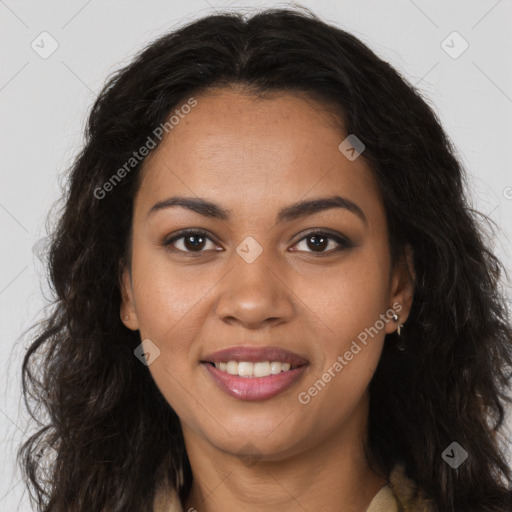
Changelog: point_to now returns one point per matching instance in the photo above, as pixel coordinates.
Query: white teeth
(245, 369)
(275, 367)
(232, 367)
(261, 369)
(249, 369)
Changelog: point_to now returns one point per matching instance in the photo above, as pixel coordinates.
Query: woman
(271, 292)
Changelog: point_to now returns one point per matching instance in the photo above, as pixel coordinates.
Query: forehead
(234, 145)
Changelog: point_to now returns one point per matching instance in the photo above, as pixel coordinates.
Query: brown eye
(318, 242)
(193, 242)
(190, 241)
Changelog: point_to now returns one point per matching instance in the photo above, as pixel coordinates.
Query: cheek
(168, 306)
(351, 303)
(165, 295)
(352, 297)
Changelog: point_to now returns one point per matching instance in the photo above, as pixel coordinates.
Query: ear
(402, 288)
(128, 310)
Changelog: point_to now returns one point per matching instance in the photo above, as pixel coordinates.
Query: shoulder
(401, 494)
(167, 500)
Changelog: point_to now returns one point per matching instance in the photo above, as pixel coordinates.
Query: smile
(254, 381)
(254, 369)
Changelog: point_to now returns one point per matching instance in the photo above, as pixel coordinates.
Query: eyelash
(344, 243)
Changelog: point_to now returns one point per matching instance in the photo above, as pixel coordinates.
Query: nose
(255, 294)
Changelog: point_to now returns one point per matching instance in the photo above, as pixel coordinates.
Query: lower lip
(254, 388)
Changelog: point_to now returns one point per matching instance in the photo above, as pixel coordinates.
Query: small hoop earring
(400, 345)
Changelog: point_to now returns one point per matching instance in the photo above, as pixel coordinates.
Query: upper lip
(255, 354)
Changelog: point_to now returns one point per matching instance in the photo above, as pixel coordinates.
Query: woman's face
(256, 279)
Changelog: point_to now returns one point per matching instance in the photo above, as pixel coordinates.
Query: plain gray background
(44, 102)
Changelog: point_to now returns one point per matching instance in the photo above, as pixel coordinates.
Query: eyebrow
(286, 214)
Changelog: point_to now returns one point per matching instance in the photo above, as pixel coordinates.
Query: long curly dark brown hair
(106, 423)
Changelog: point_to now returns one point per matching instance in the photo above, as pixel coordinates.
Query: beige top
(400, 494)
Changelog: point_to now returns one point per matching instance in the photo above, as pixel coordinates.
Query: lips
(252, 388)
